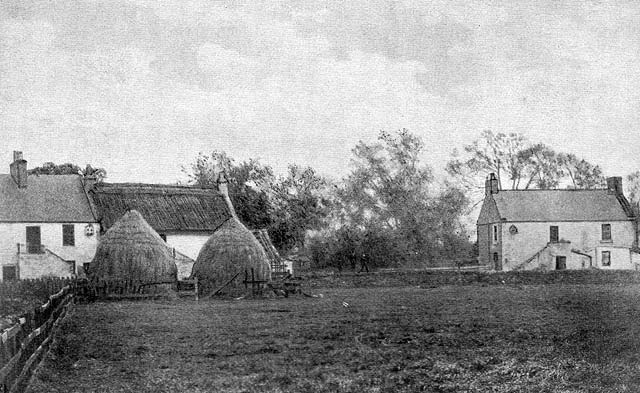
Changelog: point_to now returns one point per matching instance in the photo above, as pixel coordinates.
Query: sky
(140, 87)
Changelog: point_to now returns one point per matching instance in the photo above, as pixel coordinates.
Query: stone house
(47, 225)
(557, 229)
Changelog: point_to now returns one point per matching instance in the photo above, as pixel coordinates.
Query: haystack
(132, 251)
(231, 251)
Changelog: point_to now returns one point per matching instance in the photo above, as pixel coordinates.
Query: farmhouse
(184, 217)
(557, 229)
(47, 225)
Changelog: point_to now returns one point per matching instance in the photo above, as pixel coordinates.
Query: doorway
(497, 264)
(561, 262)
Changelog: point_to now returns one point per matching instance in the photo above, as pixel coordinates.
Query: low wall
(440, 278)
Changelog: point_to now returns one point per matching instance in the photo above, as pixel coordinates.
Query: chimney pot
(18, 170)
(614, 185)
(491, 185)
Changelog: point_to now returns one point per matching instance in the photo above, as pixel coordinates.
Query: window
(495, 233)
(606, 232)
(606, 258)
(72, 267)
(9, 273)
(553, 234)
(68, 235)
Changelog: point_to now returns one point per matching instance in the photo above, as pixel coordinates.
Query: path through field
(554, 338)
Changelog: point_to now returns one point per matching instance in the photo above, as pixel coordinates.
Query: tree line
(388, 210)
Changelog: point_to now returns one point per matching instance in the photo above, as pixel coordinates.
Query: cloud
(150, 83)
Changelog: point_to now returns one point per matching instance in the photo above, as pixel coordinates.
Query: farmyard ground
(467, 338)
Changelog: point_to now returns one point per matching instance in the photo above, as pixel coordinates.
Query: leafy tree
(288, 206)
(302, 202)
(525, 165)
(250, 183)
(50, 168)
(632, 185)
(388, 194)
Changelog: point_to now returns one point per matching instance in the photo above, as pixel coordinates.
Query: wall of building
(620, 258)
(483, 245)
(546, 259)
(188, 243)
(531, 237)
(43, 265)
(83, 251)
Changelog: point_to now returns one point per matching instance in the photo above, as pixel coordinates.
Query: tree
(583, 174)
(250, 183)
(525, 165)
(288, 206)
(633, 191)
(388, 194)
(50, 168)
(302, 202)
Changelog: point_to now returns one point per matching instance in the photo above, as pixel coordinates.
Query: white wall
(188, 243)
(51, 237)
(584, 236)
(620, 258)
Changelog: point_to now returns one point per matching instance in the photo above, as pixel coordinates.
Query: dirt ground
(473, 338)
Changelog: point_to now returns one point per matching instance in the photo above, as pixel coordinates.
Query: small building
(557, 229)
(47, 225)
(185, 217)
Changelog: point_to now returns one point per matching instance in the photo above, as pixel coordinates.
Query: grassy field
(472, 338)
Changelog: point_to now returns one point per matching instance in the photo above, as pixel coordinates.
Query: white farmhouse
(47, 225)
(557, 229)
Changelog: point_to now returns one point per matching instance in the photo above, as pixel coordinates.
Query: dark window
(72, 267)
(606, 258)
(68, 235)
(553, 234)
(561, 262)
(606, 231)
(33, 240)
(163, 237)
(9, 273)
(495, 233)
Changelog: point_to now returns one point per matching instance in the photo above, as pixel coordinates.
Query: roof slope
(165, 207)
(561, 205)
(47, 198)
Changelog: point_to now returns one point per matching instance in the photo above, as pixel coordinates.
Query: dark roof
(561, 205)
(166, 208)
(47, 198)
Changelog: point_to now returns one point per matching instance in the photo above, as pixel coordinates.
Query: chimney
(223, 189)
(614, 185)
(18, 169)
(491, 185)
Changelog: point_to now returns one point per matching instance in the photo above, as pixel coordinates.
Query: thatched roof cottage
(185, 217)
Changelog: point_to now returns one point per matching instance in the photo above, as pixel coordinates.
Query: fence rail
(23, 344)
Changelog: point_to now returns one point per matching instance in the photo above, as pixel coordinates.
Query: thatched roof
(167, 208)
(230, 250)
(132, 250)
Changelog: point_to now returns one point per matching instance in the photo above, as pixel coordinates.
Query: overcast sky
(140, 87)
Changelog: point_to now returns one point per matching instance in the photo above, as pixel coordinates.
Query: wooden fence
(23, 344)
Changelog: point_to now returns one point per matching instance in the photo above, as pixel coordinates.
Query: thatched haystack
(132, 251)
(231, 250)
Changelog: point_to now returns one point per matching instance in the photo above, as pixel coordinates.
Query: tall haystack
(131, 250)
(231, 251)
